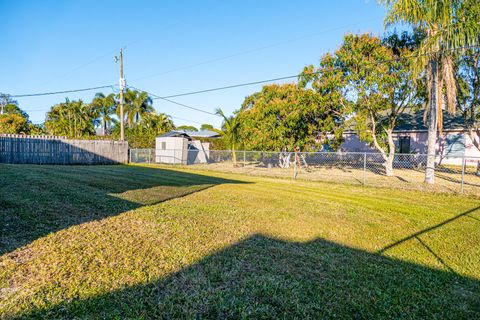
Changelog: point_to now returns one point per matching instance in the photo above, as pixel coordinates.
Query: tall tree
(230, 128)
(137, 104)
(142, 134)
(13, 124)
(105, 106)
(447, 28)
(287, 117)
(73, 119)
(376, 93)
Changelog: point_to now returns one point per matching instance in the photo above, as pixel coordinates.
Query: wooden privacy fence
(57, 150)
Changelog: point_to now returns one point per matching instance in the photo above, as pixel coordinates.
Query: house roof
(176, 134)
(203, 134)
(412, 120)
(191, 134)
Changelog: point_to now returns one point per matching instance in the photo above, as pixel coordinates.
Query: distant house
(179, 147)
(411, 135)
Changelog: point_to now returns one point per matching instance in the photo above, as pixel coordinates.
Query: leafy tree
(207, 126)
(74, 119)
(375, 93)
(13, 124)
(137, 104)
(230, 129)
(448, 25)
(288, 117)
(13, 119)
(36, 129)
(142, 134)
(187, 128)
(105, 107)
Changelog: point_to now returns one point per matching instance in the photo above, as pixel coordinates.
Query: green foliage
(105, 108)
(230, 131)
(137, 104)
(13, 123)
(14, 120)
(187, 128)
(382, 91)
(285, 117)
(73, 119)
(207, 126)
(142, 134)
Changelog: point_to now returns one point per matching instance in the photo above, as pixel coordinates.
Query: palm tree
(446, 29)
(158, 122)
(230, 128)
(137, 104)
(105, 105)
(71, 118)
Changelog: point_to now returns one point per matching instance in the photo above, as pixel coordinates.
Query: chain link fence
(452, 174)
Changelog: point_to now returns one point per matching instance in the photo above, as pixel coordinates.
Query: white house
(410, 136)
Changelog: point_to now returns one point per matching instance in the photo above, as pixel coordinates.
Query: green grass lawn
(157, 242)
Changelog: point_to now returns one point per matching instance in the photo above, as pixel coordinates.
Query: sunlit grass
(140, 242)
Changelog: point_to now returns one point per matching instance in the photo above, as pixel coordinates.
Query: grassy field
(156, 242)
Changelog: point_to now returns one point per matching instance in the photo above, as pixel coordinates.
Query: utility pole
(122, 87)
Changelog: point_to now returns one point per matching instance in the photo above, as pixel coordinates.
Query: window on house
(164, 146)
(404, 145)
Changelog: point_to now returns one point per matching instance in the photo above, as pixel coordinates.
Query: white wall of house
(451, 147)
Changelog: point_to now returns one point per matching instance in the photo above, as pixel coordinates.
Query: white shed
(177, 147)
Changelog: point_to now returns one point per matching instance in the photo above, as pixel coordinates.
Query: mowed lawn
(101, 242)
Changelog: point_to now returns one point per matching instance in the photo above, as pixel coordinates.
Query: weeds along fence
(57, 150)
(453, 174)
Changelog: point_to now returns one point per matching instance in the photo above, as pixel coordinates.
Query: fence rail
(453, 174)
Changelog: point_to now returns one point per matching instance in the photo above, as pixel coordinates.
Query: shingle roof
(412, 120)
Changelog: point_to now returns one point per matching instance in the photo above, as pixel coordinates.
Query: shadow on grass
(38, 200)
(261, 277)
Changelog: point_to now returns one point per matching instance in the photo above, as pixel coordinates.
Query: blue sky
(171, 47)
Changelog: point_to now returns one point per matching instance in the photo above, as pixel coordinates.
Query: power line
(175, 102)
(272, 45)
(183, 119)
(228, 87)
(298, 75)
(59, 92)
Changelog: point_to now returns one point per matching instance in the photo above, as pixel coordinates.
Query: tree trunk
(234, 155)
(389, 166)
(432, 114)
(391, 153)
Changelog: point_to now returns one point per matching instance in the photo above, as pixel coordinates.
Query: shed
(178, 147)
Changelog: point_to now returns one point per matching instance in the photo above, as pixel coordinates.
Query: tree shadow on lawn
(37, 200)
(261, 277)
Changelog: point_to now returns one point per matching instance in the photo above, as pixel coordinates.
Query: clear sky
(170, 47)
